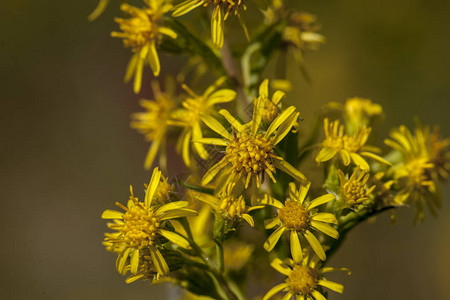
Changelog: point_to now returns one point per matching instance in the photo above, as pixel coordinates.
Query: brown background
(67, 152)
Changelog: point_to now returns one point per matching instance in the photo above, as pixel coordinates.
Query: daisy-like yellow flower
(350, 148)
(221, 10)
(230, 204)
(354, 190)
(301, 33)
(303, 279)
(188, 117)
(154, 124)
(141, 33)
(415, 175)
(250, 152)
(298, 216)
(142, 225)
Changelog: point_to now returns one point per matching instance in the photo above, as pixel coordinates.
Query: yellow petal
(122, 259)
(211, 141)
(131, 67)
(98, 10)
(289, 169)
(216, 126)
(345, 157)
(178, 213)
(134, 278)
(134, 262)
(199, 148)
(269, 200)
(212, 172)
(249, 219)
(321, 200)
(296, 249)
(175, 238)
(138, 75)
(154, 182)
(277, 97)
(303, 191)
(285, 128)
(275, 290)
(235, 123)
(153, 58)
(329, 269)
(315, 244)
(158, 260)
(271, 223)
(281, 267)
(221, 96)
(264, 89)
(359, 161)
(327, 229)
(171, 206)
(150, 158)
(167, 31)
(279, 120)
(337, 287)
(185, 7)
(325, 217)
(273, 238)
(111, 214)
(326, 154)
(376, 157)
(217, 26)
(317, 295)
(185, 141)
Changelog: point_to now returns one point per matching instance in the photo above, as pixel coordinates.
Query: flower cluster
(243, 201)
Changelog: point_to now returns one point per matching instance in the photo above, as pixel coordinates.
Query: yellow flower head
(230, 203)
(188, 117)
(359, 112)
(350, 148)
(141, 33)
(424, 159)
(298, 216)
(300, 33)
(222, 9)
(303, 279)
(141, 227)
(249, 151)
(354, 190)
(153, 124)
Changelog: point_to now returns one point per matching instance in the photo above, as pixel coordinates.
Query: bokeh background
(67, 152)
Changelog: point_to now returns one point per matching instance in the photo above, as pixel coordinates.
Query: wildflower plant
(246, 201)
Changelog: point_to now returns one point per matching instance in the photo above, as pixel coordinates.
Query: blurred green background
(67, 152)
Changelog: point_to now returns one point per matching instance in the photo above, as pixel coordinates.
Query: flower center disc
(233, 206)
(250, 154)
(294, 215)
(140, 227)
(303, 279)
(354, 190)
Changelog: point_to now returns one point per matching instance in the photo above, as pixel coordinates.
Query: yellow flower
(359, 112)
(350, 148)
(141, 33)
(230, 203)
(153, 124)
(222, 9)
(141, 227)
(424, 159)
(250, 152)
(299, 216)
(354, 191)
(304, 279)
(188, 117)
